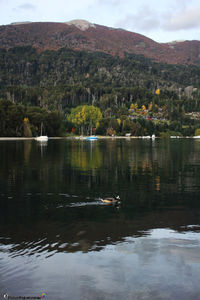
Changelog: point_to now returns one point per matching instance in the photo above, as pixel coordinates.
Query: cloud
(179, 16)
(144, 19)
(25, 6)
(184, 19)
(110, 2)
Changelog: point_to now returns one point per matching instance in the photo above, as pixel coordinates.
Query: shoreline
(84, 138)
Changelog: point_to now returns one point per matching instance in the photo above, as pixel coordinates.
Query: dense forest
(133, 93)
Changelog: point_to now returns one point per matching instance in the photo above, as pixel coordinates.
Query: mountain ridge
(83, 35)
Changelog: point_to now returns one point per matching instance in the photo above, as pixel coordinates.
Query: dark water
(57, 237)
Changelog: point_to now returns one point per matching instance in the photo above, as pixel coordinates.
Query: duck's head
(117, 197)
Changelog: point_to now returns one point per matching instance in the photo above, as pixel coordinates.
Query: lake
(57, 237)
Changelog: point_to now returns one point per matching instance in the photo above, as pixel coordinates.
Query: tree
(85, 117)
(11, 119)
(53, 122)
(134, 106)
(150, 106)
(27, 128)
(135, 128)
(197, 132)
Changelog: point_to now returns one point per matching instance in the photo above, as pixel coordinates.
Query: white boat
(42, 138)
(82, 137)
(146, 137)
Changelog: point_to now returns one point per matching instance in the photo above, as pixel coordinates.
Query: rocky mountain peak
(81, 24)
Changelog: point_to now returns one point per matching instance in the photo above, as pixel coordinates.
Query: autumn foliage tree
(85, 118)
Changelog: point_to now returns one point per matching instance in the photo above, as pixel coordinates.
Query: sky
(160, 20)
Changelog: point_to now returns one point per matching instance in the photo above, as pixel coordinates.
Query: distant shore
(73, 137)
(84, 137)
(68, 137)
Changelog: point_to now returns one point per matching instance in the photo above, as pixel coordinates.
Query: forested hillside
(66, 78)
(58, 80)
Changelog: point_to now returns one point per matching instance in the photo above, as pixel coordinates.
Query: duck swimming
(111, 200)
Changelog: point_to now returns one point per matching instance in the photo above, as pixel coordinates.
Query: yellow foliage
(134, 106)
(97, 124)
(197, 132)
(119, 122)
(85, 115)
(150, 106)
(26, 120)
(157, 92)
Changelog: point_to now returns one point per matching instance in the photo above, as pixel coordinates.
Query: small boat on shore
(42, 138)
(91, 138)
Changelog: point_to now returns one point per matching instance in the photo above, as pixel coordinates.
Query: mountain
(83, 35)
(46, 69)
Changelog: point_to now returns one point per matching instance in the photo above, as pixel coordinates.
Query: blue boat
(91, 138)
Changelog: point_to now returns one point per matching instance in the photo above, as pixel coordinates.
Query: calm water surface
(57, 237)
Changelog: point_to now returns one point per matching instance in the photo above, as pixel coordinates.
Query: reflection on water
(56, 236)
(159, 264)
(86, 158)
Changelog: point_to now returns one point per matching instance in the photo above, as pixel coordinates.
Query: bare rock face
(81, 24)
